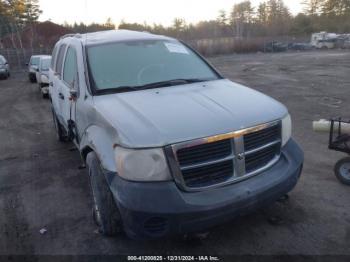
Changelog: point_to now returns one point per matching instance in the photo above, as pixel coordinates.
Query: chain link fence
(18, 58)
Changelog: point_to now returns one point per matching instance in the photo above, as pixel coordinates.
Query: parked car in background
(42, 75)
(300, 46)
(275, 47)
(326, 44)
(4, 68)
(33, 66)
(170, 145)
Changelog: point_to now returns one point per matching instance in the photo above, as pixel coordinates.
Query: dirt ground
(42, 187)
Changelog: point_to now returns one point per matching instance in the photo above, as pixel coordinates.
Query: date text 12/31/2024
(173, 258)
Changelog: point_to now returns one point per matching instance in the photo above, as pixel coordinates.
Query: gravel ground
(42, 187)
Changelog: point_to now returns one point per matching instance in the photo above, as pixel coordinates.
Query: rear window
(59, 60)
(53, 59)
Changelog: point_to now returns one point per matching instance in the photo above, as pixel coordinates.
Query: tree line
(15, 15)
(269, 18)
(93, 27)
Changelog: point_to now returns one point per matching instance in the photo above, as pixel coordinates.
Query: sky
(140, 11)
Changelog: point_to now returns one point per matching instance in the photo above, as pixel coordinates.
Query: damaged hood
(163, 116)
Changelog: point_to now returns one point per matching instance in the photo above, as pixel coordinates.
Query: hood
(163, 116)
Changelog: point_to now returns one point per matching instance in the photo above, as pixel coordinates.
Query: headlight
(142, 165)
(44, 79)
(286, 129)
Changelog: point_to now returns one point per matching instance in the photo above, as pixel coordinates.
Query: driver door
(69, 82)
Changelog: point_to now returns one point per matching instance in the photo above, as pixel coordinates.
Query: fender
(97, 139)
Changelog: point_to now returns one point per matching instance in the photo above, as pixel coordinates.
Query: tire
(59, 129)
(105, 211)
(32, 78)
(342, 170)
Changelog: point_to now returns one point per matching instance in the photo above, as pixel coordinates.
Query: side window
(53, 60)
(70, 67)
(59, 60)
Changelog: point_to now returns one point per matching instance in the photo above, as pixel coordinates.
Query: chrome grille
(262, 137)
(208, 175)
(227, 158)
(204, 152)
(261, 147)
(259, 159)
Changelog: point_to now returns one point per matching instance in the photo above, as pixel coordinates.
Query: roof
(41, 56)
(116, 36)
(45, 57)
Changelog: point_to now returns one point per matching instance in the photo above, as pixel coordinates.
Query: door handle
(61, 96)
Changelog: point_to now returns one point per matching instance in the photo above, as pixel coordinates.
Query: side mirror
(27, 64)
(37, 69)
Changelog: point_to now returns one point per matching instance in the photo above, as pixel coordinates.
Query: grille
(261, 158)
(262, 137)
(199, 164)
(203, 153)
(208, 175)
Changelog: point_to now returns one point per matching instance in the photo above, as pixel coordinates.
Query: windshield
(35, 61)
(139, 63)
(45, 64)
(2, 60)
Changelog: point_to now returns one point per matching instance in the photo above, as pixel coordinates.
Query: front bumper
(151, 210)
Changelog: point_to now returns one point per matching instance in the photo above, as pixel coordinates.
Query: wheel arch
(96, 139)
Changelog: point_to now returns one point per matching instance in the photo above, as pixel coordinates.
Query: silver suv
(171, 146)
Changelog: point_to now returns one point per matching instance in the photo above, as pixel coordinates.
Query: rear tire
(105, 211)
(342, 170)
(59, 129)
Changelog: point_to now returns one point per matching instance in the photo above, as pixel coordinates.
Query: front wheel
(32, 78)
(342, 170)
(105, 211)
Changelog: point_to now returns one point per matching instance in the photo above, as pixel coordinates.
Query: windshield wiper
(120, 89)
(173, 82)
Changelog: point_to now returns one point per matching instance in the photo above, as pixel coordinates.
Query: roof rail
(70, 35)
